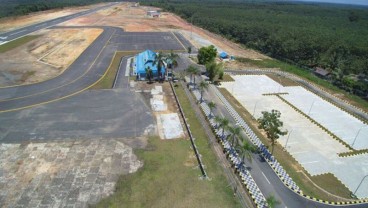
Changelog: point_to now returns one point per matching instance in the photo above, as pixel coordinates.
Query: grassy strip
(227, 78)
(292, 167)
(272, 63)
(108, 80)
(170, 178)
(18, 42)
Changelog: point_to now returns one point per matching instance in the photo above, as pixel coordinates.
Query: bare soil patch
(134, 19)
(45, 57)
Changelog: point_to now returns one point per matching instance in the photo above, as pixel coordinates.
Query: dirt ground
(11, 23)
(48, 55)
(134, 19)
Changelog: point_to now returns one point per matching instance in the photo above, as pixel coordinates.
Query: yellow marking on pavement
(10, 86)
(179, 41)
(43, 92)
(67, 96)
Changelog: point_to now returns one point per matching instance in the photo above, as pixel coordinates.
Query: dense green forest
(22, 7)
(334, 37)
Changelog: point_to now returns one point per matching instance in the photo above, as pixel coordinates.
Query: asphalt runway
(14, 34)
(89, 67)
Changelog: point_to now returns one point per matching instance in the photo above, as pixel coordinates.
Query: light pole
(311, 107)
(356, 136)
(288, 138)
(254, 110)
(359, 185)
(191, 27)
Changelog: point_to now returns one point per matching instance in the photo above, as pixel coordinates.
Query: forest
(23, 7)
(330, 36)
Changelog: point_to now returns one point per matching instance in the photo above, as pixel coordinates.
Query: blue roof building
(144, 60)
(223, 55)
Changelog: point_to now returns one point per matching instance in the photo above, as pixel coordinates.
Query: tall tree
(224, 124)
(270, 122)
(203, 85)
(189, 50)
(213, 69)
(218, 120)
(172, 59)
(206, 54)
(149, 74)
(245, 150)
(234, 135)
(159, 61)
(193, 71)
(212, 106)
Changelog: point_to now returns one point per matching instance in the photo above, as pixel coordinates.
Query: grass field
(272, 63)
(18, 42)
(108, 80)
(170, 176)
(327, 182)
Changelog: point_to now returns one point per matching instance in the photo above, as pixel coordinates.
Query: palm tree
(224, 124)
(218, 120)
(245, 149)
(149, 74)
(192, 70)
(211, 105)
(235, 133)
(272, 201)
(202, 86)
(159, 61)
(172, 57)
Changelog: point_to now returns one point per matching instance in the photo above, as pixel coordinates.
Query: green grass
(170, 178)
(328, 181)
(108, 80)
(272, 63)
(18, 42)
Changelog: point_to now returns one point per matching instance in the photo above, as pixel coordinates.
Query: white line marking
(265, 177)
(4, 37)
(310, 162)
(17, 32)
(301, 152)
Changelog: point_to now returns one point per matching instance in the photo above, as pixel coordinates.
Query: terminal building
(145, 60)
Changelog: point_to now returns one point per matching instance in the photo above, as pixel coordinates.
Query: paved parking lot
(130, 41)
(312, 147)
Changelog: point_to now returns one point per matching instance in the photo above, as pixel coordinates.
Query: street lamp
(359, 185)
(288, 138)
(311, 107)
(254, 110)
(356, 136)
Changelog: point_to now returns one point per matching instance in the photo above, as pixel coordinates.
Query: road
(20, 32)
(84, 72)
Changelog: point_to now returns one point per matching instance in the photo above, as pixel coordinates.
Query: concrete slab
(171, 126)
(311, 146)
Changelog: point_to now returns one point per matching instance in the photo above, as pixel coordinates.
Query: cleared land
(314, 149)
(134, 19)
(44, 57)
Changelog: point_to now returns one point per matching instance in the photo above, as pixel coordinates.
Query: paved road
(85, 71)
(14, 34)
(264, 175)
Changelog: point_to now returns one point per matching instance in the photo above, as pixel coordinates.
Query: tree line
(325, 35)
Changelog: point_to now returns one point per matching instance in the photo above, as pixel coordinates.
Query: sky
(355, 2)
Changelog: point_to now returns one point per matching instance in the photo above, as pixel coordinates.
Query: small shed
(224, 55)
(322, 72)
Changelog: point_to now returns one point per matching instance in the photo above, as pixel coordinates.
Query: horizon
(349, 2)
